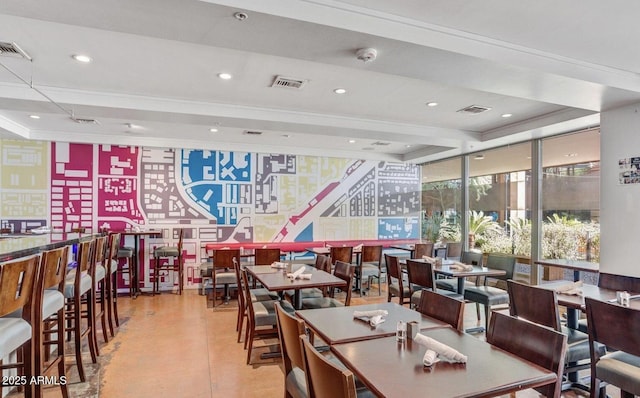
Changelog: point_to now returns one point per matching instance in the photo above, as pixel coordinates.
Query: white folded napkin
(430, 357)
(429, 259)
(570, 289)
(442, 350)
(376, 320)
(304, 276)
(457, 265)
(278, 264)
(296, 273)
(374, 317)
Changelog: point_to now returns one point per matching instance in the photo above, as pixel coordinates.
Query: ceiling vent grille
(380, 143)
(474, 109)
(288, 82)
(82, 120)
(253, 132)
(13, 50)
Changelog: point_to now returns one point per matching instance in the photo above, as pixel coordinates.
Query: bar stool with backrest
(370, 265)
(344, 271)
(396, 285)
(16, 332)
(127, 253)
(490, 296)
(223, 272)
(539, 305)
(615, 327)
(421, 277)
(266, 256)
(535, 343)
(177, 266)
(98, 272)
(111, 262)
(78, 291)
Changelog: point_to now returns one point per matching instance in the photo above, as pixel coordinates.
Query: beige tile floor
(174, 346)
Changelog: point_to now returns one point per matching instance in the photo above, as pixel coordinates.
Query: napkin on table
(571, 289)
(278, 264)
(298, 274)
(457, 265)
(429, 259)
(442, 350)
(374, 317)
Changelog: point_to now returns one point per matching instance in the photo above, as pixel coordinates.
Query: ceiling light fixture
(478, 157)
(505, 115)
(34, 116)
(213, 130)
(408, 146)
(85, 59)
(352, 141)
(133, 126)
(432, 104)
(367, 54)
(224, 76)
(340, 91)
(240, 16)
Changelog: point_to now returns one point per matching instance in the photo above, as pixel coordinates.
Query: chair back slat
(454, 249)
(16, 285)
(345, 271)
(443, 308)
(100, 249)
(266, 256)
(344, 254)
(371, 254)
(534, 304)
(538, 344)
(422, 249)
(223, 258)
(393, 266)
(324, 378)
(421, 274)
(290, 328)
(53, 267)
(613, 325)
(85, 256)
(502, 262)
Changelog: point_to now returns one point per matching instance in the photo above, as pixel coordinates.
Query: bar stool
(177, 266)
(79, 285)
(16, 288)
(127, 253)
(111, 263)
(98, 272)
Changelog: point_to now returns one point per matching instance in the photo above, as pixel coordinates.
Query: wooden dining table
(392, 369)
(337, 324)
(279, 281)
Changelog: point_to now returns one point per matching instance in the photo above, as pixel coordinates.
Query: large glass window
(441, 200)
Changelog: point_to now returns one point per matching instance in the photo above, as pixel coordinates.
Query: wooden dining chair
(344, 271)
(453, 250)
(370, 266)
(341, 253)
(290, 328)
(615, 327)
(490, 296)
(539, 305)
(538, 344)
(474, 258)
(422, 249)
(266, 256)
(396, 285)
(444, 308)
(173, 253)
(17, 280)
(421, 276)
(223, 272)
(324, 378)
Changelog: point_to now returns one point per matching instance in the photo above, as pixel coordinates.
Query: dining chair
(613, 282)
(444, 308)
(615, 327)
(490, 296)
(326, 378)
(17, 280)
(421, 276)
(223, 272)
(266, 256)
(341, 253)
(322, 263)
(257, 294)
(453, 250)
(370, 266)
(474, 258)
(49, 322)
(78, 290)
(344, 271)
(397, 286)
(422, 249)
(173, 253)
(535, 343)
(290, 328)
(539, 305)
(261, 317)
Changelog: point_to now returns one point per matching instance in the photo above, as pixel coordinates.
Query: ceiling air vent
(380, 143)
(82, 120)
(253, 132)
(12, 50)
(474, 109)
(288, 82)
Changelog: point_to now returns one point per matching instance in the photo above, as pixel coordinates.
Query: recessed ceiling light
(240, 16)
(286, 135)
(224, 76)
(34, 116)
(408, 146)
(85, 59)
(340, 91)
(432, 104)
(507, 115)
(213, 130)
(478, 157)
(133, 126)
(352, 141)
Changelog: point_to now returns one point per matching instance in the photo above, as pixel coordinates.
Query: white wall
(619, 204)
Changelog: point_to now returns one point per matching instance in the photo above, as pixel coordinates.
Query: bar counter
(22, 245)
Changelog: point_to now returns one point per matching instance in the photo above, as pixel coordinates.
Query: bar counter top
(21, 245)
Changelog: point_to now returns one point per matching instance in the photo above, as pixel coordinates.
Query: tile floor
(174, 346)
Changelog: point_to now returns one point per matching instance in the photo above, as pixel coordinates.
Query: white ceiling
(553, 65)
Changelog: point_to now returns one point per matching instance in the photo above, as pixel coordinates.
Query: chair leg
(251, 336)
(103, 310)
(181, 272)
(487, 310)
(93, 338)
(478, 311)
(77, 337)
(109, 289)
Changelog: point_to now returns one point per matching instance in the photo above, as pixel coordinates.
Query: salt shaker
(401, 331)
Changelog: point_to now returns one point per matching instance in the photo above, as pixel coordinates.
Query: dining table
(577, 266)
(279, 281)
(137, 235)
(337, 325)
(395, 369)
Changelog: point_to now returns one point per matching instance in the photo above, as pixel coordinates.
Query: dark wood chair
(322, 263)
(615, 327)
(223, 272)
(421, 276)
(177, 265)
(422, 249)
(539, 305)
(266, 256)
(396, 285)
(490, 296)
(535, 343)
(474, 258)
(325, 378)
(344, 271)
(98, 273)
(441, 307)
(341, 253)
(370, 266)
(454, 250)
(290, 328)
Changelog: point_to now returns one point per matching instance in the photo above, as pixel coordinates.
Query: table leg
(136, 266)
(297, 299)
